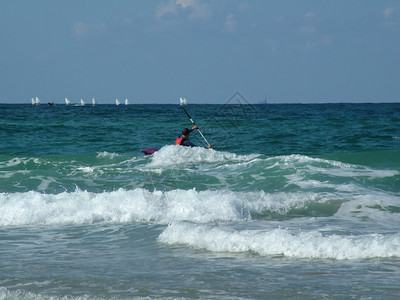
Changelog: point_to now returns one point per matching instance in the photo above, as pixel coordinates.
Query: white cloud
(308, 29)
(326, 41)
(195, 8)
(310, 14)
(272, 45)
(387, 12)
(316, 44)
(165, 8)
(186, 3)
(79, 29)
(230, 23)
(243, 6)
(389, 22)
(198, 8)
(308, 47)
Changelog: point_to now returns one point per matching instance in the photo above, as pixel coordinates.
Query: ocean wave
(138, 205)
(163, 207)
(282, 242)
(142, 205)
(312, 165)
(173, 156)
(13, 162)
(106, 154)
(203, 169)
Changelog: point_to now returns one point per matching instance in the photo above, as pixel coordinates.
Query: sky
(289, 51)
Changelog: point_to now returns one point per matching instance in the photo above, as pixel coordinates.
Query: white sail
(93, 101)
(117, 102)
(33, 101)
(126, 101)
(67, 102)
(82, 102)
(37, 101)
(183, 101)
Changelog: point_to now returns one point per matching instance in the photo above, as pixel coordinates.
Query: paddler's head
(186, 132)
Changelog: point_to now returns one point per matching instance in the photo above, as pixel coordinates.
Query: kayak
(149, 151)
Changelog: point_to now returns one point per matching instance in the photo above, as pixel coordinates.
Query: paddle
(183, 102)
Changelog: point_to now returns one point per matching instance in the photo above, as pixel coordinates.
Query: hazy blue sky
(157, 51)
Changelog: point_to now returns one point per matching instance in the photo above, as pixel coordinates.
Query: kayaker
(183, 140)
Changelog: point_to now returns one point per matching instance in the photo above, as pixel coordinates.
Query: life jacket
(179, 140)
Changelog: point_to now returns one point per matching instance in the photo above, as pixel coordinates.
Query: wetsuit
(181, 140)
(187, 143)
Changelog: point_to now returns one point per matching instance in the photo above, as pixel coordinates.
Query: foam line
(281, 242)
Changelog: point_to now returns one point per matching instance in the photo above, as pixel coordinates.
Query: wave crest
(281, 242)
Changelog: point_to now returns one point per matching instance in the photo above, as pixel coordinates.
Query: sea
(294, 201)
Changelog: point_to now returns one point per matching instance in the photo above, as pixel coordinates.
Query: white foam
(12, 162)
(141, 205)
(86, 169)
(44, 182)
(312, 165)
(311, 173)
(354, 171)
(298, 159)
(21, 294)
(8, 174)
(176, 156)
(118, 206)
(106, 154)
(78, 207)
(18, 160)
(372, 206)
(278, 242)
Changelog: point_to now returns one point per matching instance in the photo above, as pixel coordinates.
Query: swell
(183, 168)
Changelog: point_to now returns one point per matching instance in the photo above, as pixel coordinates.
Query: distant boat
(67, 102)
(37, 101)
(83, 102)
(126, 102)
(263, 101)
(50, 103)
(182, 101)
(117, 102)
(33, 101)
(93, 101)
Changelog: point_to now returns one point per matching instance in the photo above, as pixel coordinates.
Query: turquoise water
(296, 201)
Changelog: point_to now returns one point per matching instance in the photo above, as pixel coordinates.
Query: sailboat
(117, 102)
(93, 101)
(67, 102)
(126, 101)
(37, 101)
(33, 101)
(182, 101)
(263, 101)
(82, 102)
